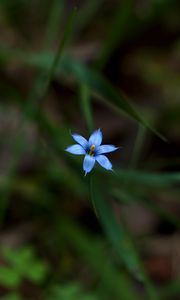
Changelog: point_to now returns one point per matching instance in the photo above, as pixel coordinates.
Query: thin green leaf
(85, 97)
(32, 106)
(115, 231)
(55, 19)
(96, 82)
(119, 237)
(116, 282)
(139, 141)
(148, 179)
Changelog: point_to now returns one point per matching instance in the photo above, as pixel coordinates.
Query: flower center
(91, 151)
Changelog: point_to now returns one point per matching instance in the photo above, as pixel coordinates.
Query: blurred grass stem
(85, 99)
(38, 92)
(139, 141)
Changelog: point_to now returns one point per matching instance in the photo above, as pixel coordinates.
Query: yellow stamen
(91, 152)
(92, 147)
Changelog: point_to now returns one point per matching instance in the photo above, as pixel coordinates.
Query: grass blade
(84, 75)
(120, 238)
(148, 179)
(85, 97)
(116, 282)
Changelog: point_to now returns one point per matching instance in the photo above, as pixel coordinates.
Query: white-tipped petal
(106, 149)
(80, 140)
(76, 149)
(96, 138)
(88, 163)
(104, 162)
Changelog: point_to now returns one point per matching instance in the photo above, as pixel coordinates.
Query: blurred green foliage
(74, 66)
(24, 264)
(71, 291)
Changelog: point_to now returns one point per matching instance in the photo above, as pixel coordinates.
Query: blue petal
(88, 163)
(105, 149)
(104, 162)
(96, 138)
(80, 140)
(76, 149)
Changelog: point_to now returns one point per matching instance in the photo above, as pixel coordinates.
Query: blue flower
(93, 150)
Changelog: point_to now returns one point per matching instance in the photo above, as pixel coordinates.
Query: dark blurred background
(73, 66)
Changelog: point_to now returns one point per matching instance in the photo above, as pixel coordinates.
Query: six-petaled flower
(93, 150)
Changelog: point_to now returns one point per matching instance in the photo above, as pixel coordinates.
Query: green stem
(42, 84)
(91, 194)
(55, 18)
(85, 97)
(59, 53)
(137, 147)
